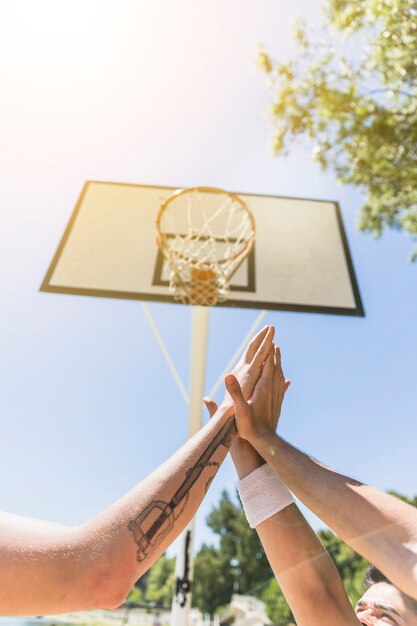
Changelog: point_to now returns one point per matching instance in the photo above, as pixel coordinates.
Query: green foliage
(239, 544)
(350, 565)
(352, 91)
(161, 580)
(213, 580)
(277, 608)
(135, 595)
(238, 564)
(400, 496)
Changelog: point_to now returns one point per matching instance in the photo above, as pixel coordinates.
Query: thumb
(234, 389)
(211, 406)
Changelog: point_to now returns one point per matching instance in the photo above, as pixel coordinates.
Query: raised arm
(303, 568)
(47, 568)
(380, 527)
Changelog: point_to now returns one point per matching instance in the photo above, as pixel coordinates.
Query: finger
(269, 367)
(235, 391)
(255, 343)
(278, 367)
(211, 406)
(263, 349)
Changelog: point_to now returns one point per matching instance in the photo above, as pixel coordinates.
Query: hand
(245, 457)
(211, 406)
(260, 415)
(249, 368)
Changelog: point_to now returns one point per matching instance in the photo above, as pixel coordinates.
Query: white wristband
(262, 494)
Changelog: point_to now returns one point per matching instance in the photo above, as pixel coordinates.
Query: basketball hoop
(204, 233)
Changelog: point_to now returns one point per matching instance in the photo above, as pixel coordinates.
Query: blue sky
(151, 93)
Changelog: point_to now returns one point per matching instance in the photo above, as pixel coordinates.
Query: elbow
(109, 588)
(112, 567)
(114, 599)
(106, 578)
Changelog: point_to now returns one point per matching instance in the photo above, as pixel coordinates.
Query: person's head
(383, 603)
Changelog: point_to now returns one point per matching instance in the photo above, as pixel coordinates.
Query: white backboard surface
(300, 262)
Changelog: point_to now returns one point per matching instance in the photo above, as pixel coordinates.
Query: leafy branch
(351, 92)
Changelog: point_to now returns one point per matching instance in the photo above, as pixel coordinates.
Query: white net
(204, 234)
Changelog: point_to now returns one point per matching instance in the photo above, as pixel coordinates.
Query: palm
(249, 368)
(261, 413)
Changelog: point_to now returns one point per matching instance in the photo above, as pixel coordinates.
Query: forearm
(47, 568)
(95, 564)
(296, 554)
(245, 457)
(380, 527)
(138, 528)
(304, 570)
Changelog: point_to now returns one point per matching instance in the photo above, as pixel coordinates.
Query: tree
(135, 595)
(412, 501)
(277, 608)
(161, 580)
(350, 565)
(213, 580)
(238, 564)
(352, 91)
(239, 543)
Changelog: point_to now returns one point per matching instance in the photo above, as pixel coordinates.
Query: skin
(292, 548)
(385, 604)
(50, 568)
(380, 527)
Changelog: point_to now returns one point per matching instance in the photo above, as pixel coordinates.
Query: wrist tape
(262, 494)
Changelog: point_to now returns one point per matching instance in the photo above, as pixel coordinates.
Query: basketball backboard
(300, 260)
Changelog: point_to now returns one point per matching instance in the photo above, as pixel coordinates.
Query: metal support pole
(181, 603)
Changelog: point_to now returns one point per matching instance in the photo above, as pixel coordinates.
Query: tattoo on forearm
(229, 434)
(154, 523)
(208, 483)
